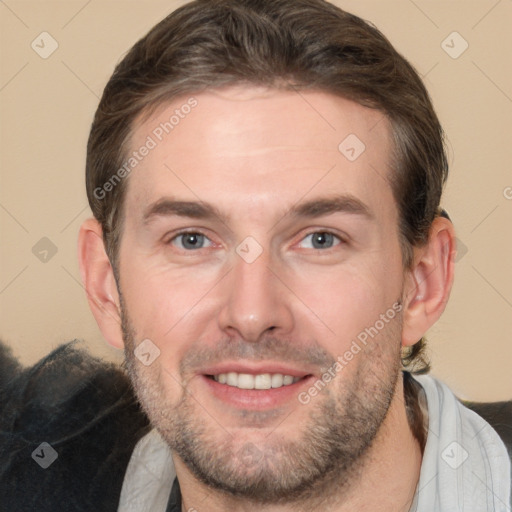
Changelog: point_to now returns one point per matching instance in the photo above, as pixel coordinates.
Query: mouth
(259, 381)
(255, 387)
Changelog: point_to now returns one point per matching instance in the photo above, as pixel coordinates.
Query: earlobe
(429, 282)
(99, 282)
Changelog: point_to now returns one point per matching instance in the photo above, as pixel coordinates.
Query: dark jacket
(85, 409)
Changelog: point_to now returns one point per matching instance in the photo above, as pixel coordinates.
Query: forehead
(246, 146)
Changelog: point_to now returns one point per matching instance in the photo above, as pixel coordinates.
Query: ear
(99, 282)
(429, 282)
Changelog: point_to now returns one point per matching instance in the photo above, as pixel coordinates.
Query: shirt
(465, 464)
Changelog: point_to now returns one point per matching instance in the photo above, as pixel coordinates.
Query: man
(268, 247)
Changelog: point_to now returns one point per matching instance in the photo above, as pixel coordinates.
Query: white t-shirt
(465, 465)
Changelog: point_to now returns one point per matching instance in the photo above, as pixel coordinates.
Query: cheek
(163, 302)
(344, 301)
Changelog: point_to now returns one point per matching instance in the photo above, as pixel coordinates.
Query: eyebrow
(194, 209)
(330, 205)
(310, 209)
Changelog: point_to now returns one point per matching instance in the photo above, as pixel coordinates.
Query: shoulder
(465, 461)
(498, 415)
(86, 411)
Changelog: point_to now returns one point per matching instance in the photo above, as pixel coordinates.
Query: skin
(255, 155)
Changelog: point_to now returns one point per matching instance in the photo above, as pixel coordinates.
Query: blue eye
(191, 241)
(320, 240)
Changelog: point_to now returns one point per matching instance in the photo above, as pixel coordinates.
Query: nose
(255, 300)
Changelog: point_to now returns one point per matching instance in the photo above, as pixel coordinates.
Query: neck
(386, 479)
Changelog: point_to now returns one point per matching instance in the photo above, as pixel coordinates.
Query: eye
(320, 240)
(191, 241)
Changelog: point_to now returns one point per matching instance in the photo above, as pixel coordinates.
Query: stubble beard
(341, 426)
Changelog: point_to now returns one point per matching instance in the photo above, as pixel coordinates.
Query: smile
(259, 381)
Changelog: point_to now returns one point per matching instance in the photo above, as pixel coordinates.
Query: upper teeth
(261, 381)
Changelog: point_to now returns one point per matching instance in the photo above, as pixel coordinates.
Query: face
(260, 257)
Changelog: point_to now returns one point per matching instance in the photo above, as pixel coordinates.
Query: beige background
(47, 107)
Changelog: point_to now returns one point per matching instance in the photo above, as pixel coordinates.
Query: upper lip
(255, 369)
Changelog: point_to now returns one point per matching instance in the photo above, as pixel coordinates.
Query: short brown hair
(284, 44)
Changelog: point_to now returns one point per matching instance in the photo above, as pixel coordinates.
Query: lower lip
(256, 399)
